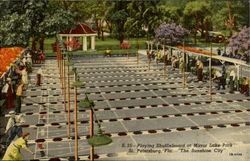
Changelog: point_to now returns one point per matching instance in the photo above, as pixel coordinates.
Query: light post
(76, 84)
(100, 138)
(64, 83)
(68, 63)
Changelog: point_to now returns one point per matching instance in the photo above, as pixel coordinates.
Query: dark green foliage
(22, 20)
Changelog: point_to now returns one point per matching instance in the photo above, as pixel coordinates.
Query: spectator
(107, 52)
(13, 128)
(38, 77)
(219, 80)
(19, 94)
(200, 68)
(158, 56)
(11, 121)
(219, 51)
(24, 76)
(35, 57)
(245, 87)
(29, 60)
(29, 63)
(24, 61)
(41, 56)
(173, 61)
(8, 91)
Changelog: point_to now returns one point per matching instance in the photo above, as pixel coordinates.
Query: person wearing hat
(11, 121)
(39, 74)
(13, 151)
(220, 80)
(13, 128)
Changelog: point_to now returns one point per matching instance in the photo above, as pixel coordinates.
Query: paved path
(147, 116)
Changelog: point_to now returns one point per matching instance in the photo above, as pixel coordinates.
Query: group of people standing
(16, 81)
(12, 91)
(219, 74)
(220, 77)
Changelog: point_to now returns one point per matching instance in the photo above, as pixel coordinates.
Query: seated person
(107, 52)
(245, 87)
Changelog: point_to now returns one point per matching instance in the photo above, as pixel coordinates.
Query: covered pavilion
(82, 31)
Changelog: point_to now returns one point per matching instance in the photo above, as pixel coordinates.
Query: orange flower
(195, 50)
(8, 56)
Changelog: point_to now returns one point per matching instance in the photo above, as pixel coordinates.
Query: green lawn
(101, 46)
(113, 45)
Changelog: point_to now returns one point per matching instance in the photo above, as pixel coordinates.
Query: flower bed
(196, 50)
(7, 57)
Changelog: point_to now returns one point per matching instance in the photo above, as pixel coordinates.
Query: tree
(14, 27)
(240, 42)
(230, 15)
(13, 30)
(108, 15)
(92, 11)
(143, 15)
(173, 10)
(172, 14)
(134, 24)
(197, 17)
(118, 15)
(153, 16)
(134, 21)
(47, 20)
(37, 19)
(99, 11)
(171, 33)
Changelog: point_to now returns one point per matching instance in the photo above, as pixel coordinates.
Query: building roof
(79, 29)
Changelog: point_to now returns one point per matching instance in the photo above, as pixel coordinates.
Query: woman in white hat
(13, 127)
